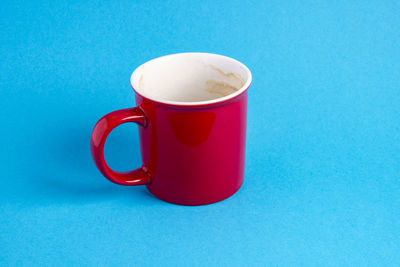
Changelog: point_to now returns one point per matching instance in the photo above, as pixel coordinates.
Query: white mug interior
(191, 79)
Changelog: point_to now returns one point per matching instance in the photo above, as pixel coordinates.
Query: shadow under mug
(191, 113)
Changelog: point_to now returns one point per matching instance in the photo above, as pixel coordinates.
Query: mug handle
(99, 135)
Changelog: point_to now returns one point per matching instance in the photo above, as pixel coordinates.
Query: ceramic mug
(191, 113)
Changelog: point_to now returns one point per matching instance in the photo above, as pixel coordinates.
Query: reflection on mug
(188, 130)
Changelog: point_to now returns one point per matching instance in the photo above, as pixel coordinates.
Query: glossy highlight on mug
(186, 128)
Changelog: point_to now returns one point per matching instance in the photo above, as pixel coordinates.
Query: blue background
(322, 184)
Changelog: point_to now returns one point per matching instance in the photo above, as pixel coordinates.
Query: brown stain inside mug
(230, 75)
(219, 88)
(141, 84)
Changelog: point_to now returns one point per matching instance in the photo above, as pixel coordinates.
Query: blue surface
(322, 185)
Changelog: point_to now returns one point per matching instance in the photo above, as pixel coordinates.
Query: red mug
(191, 113)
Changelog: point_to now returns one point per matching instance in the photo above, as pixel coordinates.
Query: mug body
(194, 151)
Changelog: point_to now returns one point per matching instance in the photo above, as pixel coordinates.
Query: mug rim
(194, 103)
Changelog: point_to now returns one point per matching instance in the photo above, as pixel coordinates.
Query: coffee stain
(141, 85)
(219, 88)
(229, 75)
